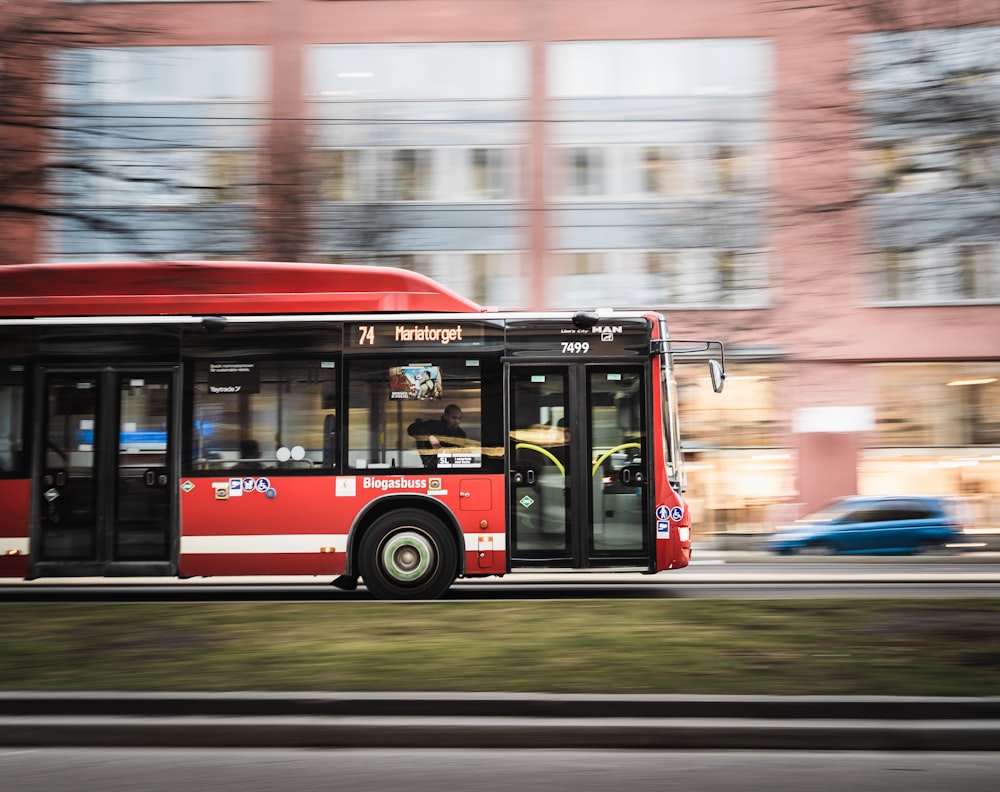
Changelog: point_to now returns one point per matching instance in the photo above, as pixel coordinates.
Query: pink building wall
(820, 312)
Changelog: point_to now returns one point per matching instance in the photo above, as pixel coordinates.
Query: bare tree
(32, 32)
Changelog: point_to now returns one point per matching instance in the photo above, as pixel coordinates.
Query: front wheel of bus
(408, 554)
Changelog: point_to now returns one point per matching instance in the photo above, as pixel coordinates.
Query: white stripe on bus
(14, 545)
(304, 543)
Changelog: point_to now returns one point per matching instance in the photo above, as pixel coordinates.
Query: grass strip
(827, 647)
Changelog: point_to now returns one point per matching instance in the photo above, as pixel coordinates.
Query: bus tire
(408, 554)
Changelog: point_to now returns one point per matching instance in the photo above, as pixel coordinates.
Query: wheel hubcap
(407, 556)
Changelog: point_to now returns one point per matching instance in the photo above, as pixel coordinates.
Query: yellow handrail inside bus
(606, 454)
(544, 452)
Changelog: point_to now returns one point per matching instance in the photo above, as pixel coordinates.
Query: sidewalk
(976, 542)
(498, 720)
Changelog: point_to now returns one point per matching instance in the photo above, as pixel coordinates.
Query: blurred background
(816, 184)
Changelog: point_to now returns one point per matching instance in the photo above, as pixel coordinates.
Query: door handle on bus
(54, 478)
(154, 478)
(632, 477)
(522, 476)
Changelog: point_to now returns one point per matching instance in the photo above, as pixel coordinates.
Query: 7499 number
(575, 347)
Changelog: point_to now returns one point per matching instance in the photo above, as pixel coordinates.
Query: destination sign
(411, 334)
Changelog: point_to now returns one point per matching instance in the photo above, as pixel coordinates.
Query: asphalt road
(434, 770)
(739, 575)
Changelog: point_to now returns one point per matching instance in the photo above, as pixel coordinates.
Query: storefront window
(740, 470)
(747, 414)
(937, 404)
(937, 431)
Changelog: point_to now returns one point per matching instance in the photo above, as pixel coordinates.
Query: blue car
(882, 525)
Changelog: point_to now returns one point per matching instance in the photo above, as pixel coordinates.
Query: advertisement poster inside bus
(416, 381)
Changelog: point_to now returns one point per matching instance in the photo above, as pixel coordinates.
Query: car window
(865, 514)
(915, 510)
(835, 511)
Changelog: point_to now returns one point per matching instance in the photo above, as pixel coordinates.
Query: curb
(495, 720)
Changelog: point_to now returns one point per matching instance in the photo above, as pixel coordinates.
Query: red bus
(193, 419)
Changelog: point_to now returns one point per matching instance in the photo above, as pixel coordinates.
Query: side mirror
(718, 375)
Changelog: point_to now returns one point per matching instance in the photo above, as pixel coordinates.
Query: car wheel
(819, 549)
(408, 554)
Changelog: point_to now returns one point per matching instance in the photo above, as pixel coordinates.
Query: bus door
(579, 466)
(105, 496)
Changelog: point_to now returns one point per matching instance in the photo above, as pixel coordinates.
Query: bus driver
(433, 435)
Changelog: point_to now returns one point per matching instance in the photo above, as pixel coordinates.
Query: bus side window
(285, 408)
(387, 397)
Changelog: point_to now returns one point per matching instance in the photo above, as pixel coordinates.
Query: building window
(935, 164)
(937, 404)
(979, 161)
(583, 171)
(742, 278)
(490, 174)
(587, 277)
(913, 166)
(229, 176)
(442, 174)
(935, 275)
(163, 177)
(340, 174)
(161, 74)
(978, 271)
(660, 68)
(898, 274)
(418, 71)
(411, 174)
(645, 279)
(731, 171)
(730, 278)
(660, 169)
(664, 276)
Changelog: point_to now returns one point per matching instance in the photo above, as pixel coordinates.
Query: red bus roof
(165, 288)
